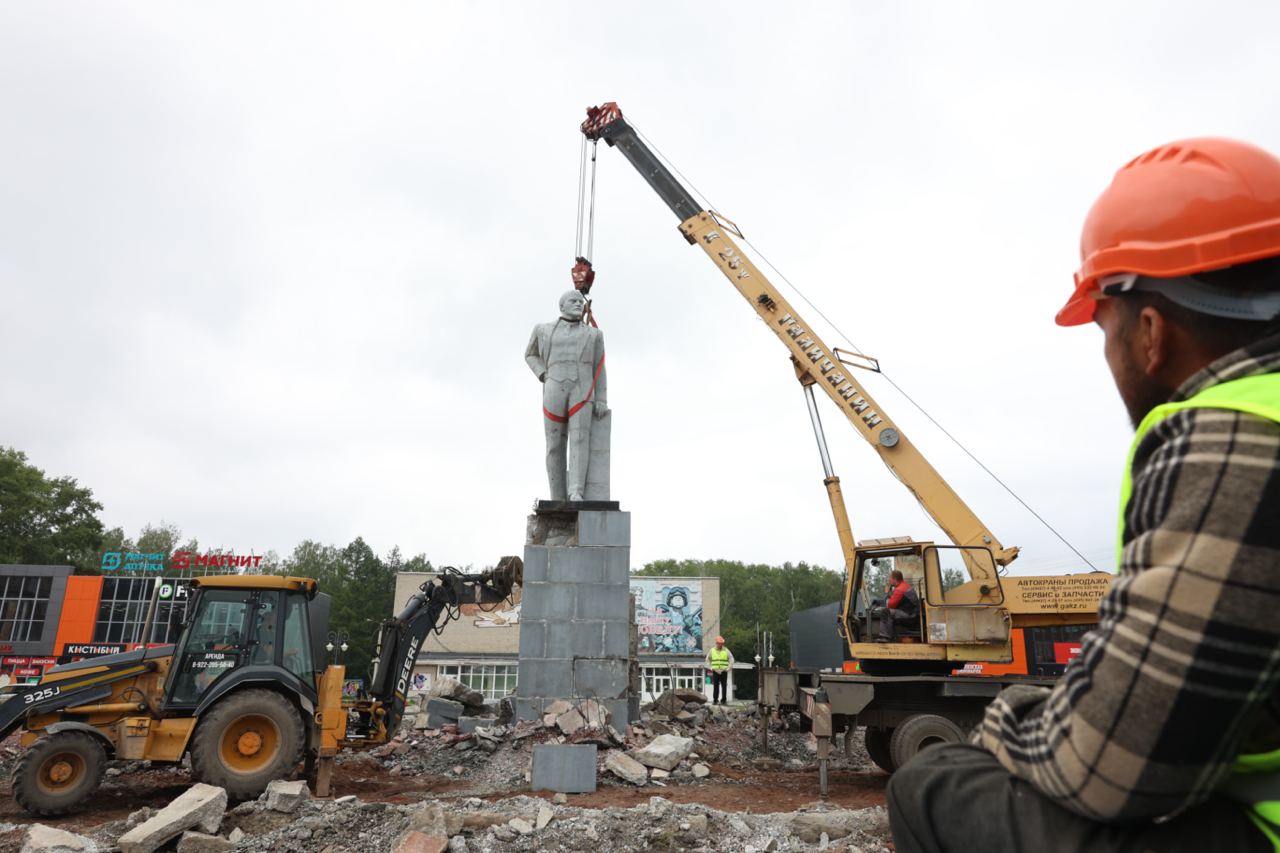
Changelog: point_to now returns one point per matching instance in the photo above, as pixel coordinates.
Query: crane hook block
(583, 275)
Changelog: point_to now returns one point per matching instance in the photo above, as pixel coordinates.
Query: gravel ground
(749, 801)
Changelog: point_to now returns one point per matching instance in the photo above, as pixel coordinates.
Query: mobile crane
(244, 691)
(977, 621)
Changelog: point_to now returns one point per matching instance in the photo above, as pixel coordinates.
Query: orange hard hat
(719, 639)
(1183, 208)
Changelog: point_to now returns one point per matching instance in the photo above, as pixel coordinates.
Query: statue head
(572, 304)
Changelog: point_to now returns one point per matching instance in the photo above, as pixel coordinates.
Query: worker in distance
(719, 661)
(1164, 733)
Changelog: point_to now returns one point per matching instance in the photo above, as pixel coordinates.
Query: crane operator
(902, 608)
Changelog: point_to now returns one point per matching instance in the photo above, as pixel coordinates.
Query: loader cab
(229, 627)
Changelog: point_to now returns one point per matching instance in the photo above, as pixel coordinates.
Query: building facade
(50, 616)
(677, 620)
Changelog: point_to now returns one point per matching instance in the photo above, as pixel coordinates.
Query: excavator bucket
(509, 572)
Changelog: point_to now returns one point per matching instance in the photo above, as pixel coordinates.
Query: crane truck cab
(962, 615)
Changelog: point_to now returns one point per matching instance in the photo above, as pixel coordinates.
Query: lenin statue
(567, 356)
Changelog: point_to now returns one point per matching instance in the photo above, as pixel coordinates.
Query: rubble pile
(450, 702)
(521, 823)
(680, 739)
(457, 786)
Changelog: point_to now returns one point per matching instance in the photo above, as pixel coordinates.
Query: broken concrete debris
(420, 842)
(664, 751)
(48, 839)
(626, 768)
(200, 805)
(285, 796)
(434, 819)
(435, 806)
(200, 842)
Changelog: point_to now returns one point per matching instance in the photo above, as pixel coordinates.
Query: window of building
(171, 610)
(122, 609)
(23, 603)
(656, 680)
(493, 680)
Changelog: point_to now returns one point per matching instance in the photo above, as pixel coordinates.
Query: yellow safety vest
(1256, 780)
(720, 659)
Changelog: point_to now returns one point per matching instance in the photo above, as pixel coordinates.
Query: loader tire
(59, 772)
(877, 742)
(918, 733)
(247, 740)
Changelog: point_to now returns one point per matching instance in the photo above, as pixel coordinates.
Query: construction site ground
(763, 791)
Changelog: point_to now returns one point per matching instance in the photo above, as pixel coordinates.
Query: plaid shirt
(1182, 673)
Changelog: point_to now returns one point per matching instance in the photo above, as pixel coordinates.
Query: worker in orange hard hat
(719, 661)
(1164, 733)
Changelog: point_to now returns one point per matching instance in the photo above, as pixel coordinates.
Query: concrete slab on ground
(567, 768)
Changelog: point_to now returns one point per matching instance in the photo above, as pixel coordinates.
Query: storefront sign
(135, 561)
(17, 661)
(173, 590)
(27, 671)
(187, 559)
(92, 650)
(132, 561)
(43, 661)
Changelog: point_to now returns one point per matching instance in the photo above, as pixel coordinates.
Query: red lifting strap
(564, 419)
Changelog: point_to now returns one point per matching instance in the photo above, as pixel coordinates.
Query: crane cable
(589, 205)
(586, 203)
(858, 350)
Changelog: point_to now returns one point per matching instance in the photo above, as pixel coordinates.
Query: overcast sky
(268, 269)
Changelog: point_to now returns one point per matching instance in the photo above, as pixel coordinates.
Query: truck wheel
(59, 772)
(919, 733)
(245, 741)
(877, 743)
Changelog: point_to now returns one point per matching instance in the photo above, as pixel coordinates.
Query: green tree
(45, 521)
(757, 597)
(361, 586)
(417, 563)
(952, 578)
(164, 538)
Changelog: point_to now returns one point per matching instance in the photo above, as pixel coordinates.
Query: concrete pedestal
(576, 612)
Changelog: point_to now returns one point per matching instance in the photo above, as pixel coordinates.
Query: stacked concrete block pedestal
(576, 612)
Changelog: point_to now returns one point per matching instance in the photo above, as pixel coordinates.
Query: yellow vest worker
(719, 661)
(1164, 733)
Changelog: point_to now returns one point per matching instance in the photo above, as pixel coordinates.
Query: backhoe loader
(245, 692)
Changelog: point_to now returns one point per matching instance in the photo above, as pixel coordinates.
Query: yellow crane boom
(817, 365)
